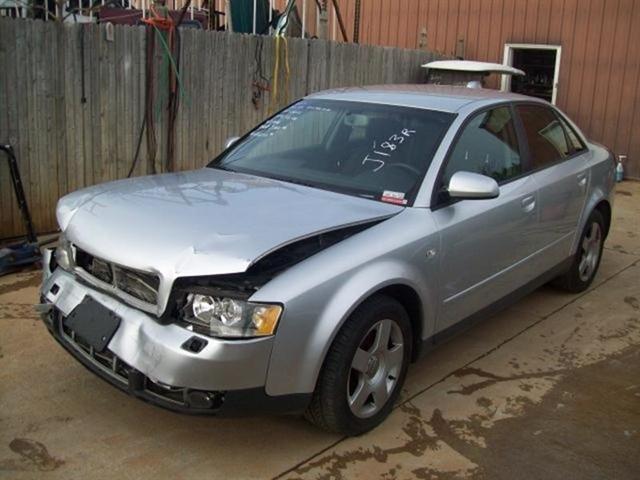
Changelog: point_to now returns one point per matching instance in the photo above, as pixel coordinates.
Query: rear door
(559, 169)
(485, 243)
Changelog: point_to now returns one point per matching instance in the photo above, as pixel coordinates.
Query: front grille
(114, 367)
(141, 285)
(106, 361)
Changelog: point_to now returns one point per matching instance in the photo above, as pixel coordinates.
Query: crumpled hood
(203, 222)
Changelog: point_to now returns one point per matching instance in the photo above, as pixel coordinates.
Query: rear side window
(488, 145)
(545, 135)
(575, 144)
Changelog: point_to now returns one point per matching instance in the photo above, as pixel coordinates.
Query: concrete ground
(548, 389)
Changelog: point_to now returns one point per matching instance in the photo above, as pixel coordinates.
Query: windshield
(380, 152)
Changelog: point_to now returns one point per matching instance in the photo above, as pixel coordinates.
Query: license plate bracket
(93, 322)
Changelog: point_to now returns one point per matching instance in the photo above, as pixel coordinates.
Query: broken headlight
(64, 254)
(221, 316)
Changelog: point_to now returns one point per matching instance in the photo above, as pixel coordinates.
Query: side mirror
(230, 141)
(472, 185)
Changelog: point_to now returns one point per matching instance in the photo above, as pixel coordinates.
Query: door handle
(528, 203)
(582, 180)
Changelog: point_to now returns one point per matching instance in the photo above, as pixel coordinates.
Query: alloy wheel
(375, 368)
(591, 247)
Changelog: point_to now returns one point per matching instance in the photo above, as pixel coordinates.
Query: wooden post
(323, 20)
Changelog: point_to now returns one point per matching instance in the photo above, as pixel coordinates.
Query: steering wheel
(406, 167)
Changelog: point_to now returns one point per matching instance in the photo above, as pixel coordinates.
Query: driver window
(489, 146)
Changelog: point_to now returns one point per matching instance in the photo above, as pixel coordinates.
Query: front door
(485, 243)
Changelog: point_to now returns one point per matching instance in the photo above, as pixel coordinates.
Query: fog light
(197, 399)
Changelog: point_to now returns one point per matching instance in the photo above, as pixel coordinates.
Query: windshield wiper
(298, 182)
(287, 180)
(222, 167)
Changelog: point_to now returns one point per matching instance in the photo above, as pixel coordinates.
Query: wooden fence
(72, 100)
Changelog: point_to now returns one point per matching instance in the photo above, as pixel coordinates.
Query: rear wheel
(587, 259)
(364, 369)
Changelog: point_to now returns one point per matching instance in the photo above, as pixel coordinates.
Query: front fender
(321, 292)
(311, 321)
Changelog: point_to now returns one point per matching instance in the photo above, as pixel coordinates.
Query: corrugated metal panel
(600, 62)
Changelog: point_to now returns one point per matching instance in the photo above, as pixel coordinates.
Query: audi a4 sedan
(311, 262)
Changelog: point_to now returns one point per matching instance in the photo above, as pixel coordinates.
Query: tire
(587, 259)
(355, 393)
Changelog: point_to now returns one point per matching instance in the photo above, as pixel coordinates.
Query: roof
(472, 66)
(446, 98)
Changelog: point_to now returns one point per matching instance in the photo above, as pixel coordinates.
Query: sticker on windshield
(393, 197)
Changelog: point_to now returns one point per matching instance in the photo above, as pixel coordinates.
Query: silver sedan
(305, 267)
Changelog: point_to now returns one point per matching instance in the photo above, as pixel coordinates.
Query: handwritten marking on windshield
(377, 160)
(390, 145)
(286, 118)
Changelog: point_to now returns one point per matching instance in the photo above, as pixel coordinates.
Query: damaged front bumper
(157, 362)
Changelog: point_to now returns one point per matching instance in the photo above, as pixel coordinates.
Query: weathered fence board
(72, 102)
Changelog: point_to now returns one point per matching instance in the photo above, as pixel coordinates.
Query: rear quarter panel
(601, 163)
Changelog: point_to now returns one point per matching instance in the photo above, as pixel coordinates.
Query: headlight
(230, 317)
(64, 254)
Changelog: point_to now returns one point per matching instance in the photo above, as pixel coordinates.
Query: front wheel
(364, 369)
(587, 259)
